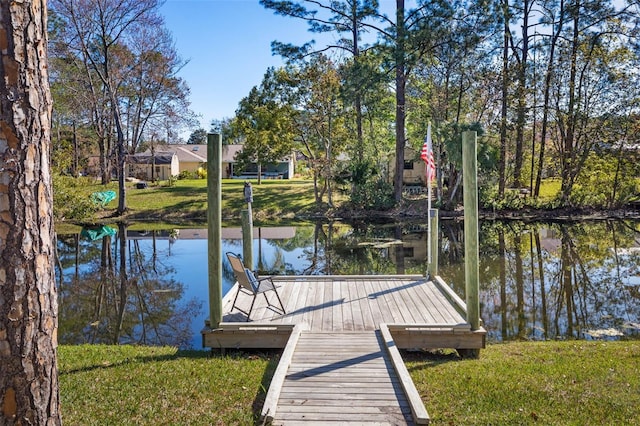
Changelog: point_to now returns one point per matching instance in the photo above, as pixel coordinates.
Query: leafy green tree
(264, 120)
(585, 67)
(224, 128)
(455, 84)
(409, 35)
(607, 181)
(320, 121)
(350, 19)
(368, 76)
(555, 15)
(197, 137)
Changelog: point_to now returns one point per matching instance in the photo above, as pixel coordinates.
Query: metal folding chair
(248, 283)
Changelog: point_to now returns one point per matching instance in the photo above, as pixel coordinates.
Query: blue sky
(228, 46)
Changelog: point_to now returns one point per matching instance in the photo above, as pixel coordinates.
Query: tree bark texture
(28, 302)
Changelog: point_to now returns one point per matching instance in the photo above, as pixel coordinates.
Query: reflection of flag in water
(427, 156)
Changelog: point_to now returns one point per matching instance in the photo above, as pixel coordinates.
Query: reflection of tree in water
(360, 249)
(538, 281)
(541, 281)
(124, 295)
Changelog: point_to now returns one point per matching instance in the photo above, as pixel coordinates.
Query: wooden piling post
(433, 243)
(471, 245)
(247, 238)
(214, 221)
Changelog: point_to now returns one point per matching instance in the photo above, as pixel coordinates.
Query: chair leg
(278, 296)
(235, 299)
(251, 308)
(281, 305)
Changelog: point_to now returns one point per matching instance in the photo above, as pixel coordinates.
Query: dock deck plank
(349, 303)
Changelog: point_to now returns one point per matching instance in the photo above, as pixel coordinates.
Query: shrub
(605, 182)
(375, 194)
(68, 201)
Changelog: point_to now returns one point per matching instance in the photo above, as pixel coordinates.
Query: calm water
(537, 280)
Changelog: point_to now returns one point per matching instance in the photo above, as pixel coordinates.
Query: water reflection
(538, 281)
(111, 291)
(547, 281)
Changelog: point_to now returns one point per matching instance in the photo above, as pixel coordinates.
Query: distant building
(160, 166)
(192, 157)
(414, 168)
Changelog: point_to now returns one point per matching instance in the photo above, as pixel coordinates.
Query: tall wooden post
(247, 238)
(433, 243)
(214, 220)
(247, 227)
(471, 254)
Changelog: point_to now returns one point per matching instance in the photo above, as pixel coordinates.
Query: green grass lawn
(547, 383)
(549, 189)
(187, 199)
(127, 385)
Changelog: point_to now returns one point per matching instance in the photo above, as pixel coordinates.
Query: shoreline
(409, 212)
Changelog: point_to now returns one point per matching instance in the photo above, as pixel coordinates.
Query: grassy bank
(186, 200)
(550, 383)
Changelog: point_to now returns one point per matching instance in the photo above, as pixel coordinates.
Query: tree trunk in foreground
(28, 301)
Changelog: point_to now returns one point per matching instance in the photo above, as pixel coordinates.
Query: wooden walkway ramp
(326, 378)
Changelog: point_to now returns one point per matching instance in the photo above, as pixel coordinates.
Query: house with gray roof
(192, 157)
(159, 166)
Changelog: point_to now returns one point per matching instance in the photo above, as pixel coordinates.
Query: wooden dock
(421, 313)
(339, 331)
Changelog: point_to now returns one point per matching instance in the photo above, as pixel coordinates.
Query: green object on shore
(102, 198)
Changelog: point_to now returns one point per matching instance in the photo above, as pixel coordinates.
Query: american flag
(427, 156)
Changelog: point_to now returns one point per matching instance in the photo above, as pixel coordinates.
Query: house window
(407, 251)
(408, 165)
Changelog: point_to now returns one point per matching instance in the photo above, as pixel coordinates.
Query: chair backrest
(243, 275)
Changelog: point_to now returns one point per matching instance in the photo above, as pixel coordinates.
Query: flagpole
(429, 205)
(427, 155)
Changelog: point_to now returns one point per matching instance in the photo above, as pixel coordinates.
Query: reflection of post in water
(502, 261)
(154, 253)
(566, 286)
(122, 238)
(106, 277)
(543, 292)
(519, 278)
(76, 239)
(397, 234)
